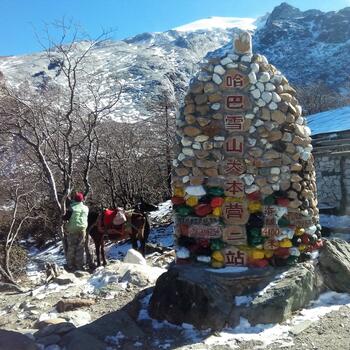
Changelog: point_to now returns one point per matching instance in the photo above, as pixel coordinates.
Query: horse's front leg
(97, 249)
(104, 261)
(133, 238)
(143, 246)
(143, 238)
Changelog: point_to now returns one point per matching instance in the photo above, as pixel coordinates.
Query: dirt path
(332, 332)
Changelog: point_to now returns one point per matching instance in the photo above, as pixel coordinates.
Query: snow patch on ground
(163, 236)
(117, 251)
(229, 269)
(100, 279)
(271, 333)
(164, 209)
(243, 300)
(266, 334)
(271, 284)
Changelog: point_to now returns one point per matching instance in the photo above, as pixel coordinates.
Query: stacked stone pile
(244, 188)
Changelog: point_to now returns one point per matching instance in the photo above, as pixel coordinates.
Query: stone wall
(333, 181)
(328, 178)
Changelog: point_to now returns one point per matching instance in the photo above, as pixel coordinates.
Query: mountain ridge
(307, 46)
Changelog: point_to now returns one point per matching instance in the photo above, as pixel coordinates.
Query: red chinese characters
(235, 102)
(234, 146)
(271, 244)
(234, 187)
(297, 219)
(235, 235)
(235, 213)
(234, 79)
(235, 257)
(272, 214)
(269, 211)
(234, 123)
(270, 221)
(233, 167)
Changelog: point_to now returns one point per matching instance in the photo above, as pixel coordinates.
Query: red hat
(78, 197)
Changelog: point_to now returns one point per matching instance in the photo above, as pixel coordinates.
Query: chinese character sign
(234, 79)
(243, 186)
(235, 257)
(234, 122)
(235, 235)
(234, 187)
(234, 146)
(233, 166)
(235, 213)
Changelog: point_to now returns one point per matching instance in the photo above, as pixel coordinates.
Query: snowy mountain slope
(213, 23)
(307, 46)
(145, 65)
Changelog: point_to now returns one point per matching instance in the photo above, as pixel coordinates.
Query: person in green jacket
(76, 231)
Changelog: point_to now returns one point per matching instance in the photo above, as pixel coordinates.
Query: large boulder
(193, 301)
(206, 299)
(292, 291)
(203, 297)
(335, 265)
(112, 323)
(58, 328)
(82, 340)
(10, 340)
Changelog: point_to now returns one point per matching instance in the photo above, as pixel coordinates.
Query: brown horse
(133, 228)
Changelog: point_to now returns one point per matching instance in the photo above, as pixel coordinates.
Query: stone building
(331, 142)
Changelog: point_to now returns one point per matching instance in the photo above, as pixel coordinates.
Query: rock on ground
(10, 340)
(187, 294)
(134, 257)
(206, 300)
(80, 340)
(59, 328)
(112, 323)
(298, 287)
(65, 278)
(335, 265)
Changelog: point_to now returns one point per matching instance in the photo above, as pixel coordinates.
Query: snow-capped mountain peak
(218, 23)
(308, 46)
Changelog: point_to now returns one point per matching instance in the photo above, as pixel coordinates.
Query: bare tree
(318, 97)
(124, 164)
(134, 160)
(161, 126)
(57, 123)
(22, 210)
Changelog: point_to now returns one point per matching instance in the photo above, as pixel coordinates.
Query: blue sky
(126, 17)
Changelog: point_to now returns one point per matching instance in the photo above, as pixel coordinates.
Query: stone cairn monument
(244, 190)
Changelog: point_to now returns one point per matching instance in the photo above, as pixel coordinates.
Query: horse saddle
(114, 218)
